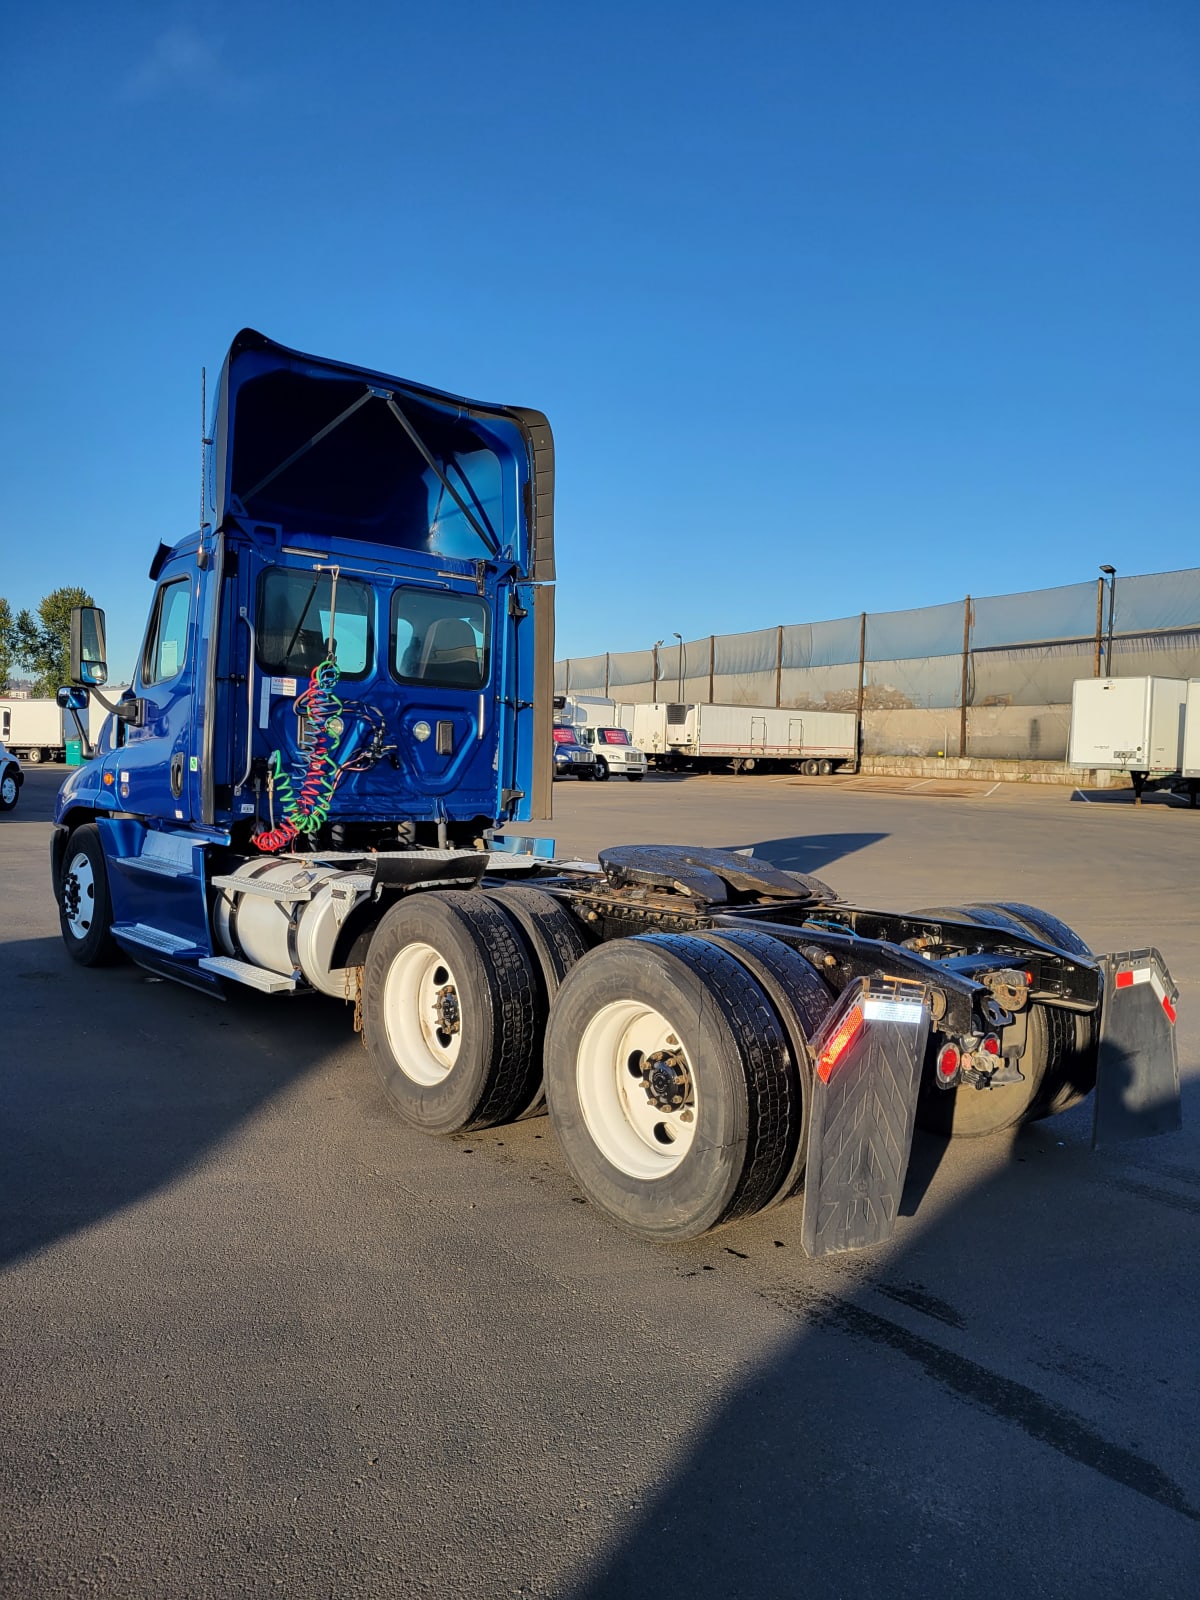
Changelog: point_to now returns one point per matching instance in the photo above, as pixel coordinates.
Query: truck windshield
(439, 638)
(612, 736)
(292, 630)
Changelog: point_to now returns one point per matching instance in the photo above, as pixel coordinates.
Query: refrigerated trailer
(321, 781)
(744, 738)
(1133, 725)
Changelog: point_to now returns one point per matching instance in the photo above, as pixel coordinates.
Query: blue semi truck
(321, 779)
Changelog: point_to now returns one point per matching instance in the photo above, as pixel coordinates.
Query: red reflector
(848, 1030)
(1125, 979)
(1168, 1008)
(991, 1045)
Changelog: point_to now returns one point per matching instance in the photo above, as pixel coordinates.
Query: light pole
(1111, 574)
(654, 686)
(679, 687)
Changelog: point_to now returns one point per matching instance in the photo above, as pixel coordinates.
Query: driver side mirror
(72, 699)
(89, 665)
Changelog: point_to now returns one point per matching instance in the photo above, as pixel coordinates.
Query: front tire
(451, 1012)
(10, 789)
(84, 903)
(670, 1086)
(601, 770)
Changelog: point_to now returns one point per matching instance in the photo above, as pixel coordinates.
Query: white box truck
(746, 738)
(1132, 725)
(33, 729)
(596, 726)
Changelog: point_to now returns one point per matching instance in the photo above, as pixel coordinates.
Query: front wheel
(84, 904)
(451, 1012)
(9, 788)
(601, 770)
(670, 1086)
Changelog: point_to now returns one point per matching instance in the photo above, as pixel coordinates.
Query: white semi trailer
(1133, 725)
(744, 738)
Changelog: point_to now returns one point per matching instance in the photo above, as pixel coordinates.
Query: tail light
(948, 1066)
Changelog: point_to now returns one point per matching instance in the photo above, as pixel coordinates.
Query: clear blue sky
(832, 306)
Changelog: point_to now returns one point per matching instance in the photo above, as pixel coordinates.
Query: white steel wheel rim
(79, 918)
(631, 1133)
(8, 789)
(417, 995)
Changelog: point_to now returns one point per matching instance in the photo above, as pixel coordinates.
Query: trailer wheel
(555, 942)
(810, 769)
(825, 768)
(601, 770)
(33, 756)
(84, 903)
(1059, 1060)
(451, 1012)
(670, 1086)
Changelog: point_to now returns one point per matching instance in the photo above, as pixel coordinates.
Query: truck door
(151, 764)
(758, 733)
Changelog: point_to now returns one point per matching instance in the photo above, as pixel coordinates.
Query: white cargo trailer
(1191, 732)
(744, 738)
(1132, 725)
(33, 729)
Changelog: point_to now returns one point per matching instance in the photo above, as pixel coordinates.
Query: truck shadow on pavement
(808, 852)
(968, 1412)
(115, 1082)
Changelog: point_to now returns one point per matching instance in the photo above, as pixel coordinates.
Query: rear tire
(451, 1012)
(811, 769)
(34, 757)
(825, 768)
(1059, 1060)
(680, 1014)
(84, 903)
(554, 942)
(802, 1000)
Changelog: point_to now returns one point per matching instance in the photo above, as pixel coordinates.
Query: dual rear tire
(675, 1068)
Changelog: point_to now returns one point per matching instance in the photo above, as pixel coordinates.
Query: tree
(6, 644)
(41, 641)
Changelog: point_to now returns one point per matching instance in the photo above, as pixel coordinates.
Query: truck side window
(292, 627)
(439, 639)
(166, 643)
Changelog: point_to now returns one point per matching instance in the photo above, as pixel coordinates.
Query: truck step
(244, 972)
(167, 944)
(295, 890)
(165, 855)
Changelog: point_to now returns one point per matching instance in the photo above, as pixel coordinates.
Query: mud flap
(868, 1058)
(1137, 1074)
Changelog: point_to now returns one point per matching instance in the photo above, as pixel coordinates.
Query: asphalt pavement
(258, 1338)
